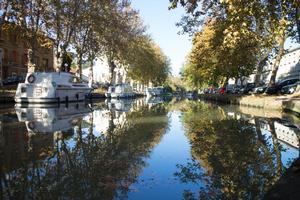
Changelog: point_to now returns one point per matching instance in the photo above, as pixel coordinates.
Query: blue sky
(161, 26)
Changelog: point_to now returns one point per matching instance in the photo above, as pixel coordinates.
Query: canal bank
(279, 103)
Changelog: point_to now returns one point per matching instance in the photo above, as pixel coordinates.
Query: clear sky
(161, 26)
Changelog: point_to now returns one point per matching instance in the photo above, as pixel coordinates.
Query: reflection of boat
(49, 120)
(155, 91)
(121, 91)
(155, 100)
(191, 95)
(123, 105)
(51, 87)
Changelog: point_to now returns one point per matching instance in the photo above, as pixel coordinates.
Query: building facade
(101, 74)
(289, 68)
(15, 54)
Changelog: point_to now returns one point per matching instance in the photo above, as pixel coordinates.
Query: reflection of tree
(277, 148)
(87, 167)
(231, 159)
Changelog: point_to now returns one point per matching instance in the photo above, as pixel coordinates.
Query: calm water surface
(143, 149)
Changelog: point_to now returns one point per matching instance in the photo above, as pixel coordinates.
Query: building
(289, 67)
(15, 53)
(101, 74)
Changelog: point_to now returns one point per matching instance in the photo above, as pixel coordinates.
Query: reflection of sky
(157, 181)
(288, 153)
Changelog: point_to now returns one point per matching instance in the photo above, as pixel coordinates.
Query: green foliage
(213, 60)
(225, 150)
(146, 62)
(245, 32)
(93, 28)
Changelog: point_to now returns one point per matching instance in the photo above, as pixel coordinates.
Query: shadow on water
(99, 150)
(77, 151)
(234, 155)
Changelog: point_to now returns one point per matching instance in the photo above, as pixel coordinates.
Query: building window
(14, 56)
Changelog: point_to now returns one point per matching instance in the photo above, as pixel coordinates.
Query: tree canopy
(247, 33)
(92, 28)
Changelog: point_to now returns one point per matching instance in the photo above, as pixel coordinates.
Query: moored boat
(109, 91)
(156, 91)
(121, 91)
(42, 87)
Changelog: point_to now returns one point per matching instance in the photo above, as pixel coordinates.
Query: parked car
(277, 87)
(210, 90)
(260, 89)
(230, 88)
(237, 89)
(249, 87)
(289, 89)
(13, 80)
(222, 90)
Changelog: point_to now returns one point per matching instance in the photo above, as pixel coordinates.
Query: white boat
(155, 91)
(42, 87)
(109, 90)
(121, 91)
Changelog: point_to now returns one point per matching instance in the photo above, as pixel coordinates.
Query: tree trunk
(79, 64)
(236, 80)
(298, 22)
(259, 133)
(91, 73)
(63, 55)
(112, 67)
(260, 68)
(277, 61)
(276, 148)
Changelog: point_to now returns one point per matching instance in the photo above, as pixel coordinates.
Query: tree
(216, 57)
(146, 62)
(269, 22)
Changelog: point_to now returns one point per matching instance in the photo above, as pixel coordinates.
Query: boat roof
(54, 73)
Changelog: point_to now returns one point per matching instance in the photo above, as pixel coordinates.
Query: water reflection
(74, 153)
(234, 155)
(52, 119)
(109, 150)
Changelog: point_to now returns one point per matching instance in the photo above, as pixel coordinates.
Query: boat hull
(36, 100)
(52, 87)
(59, 95)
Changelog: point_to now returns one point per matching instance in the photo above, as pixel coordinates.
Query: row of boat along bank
(55, 87)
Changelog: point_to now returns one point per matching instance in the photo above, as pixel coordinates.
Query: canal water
(143, 149)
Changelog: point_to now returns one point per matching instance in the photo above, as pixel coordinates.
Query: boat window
(75, 79)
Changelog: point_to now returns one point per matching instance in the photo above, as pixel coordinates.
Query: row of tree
(109, 29)
(234, 38)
